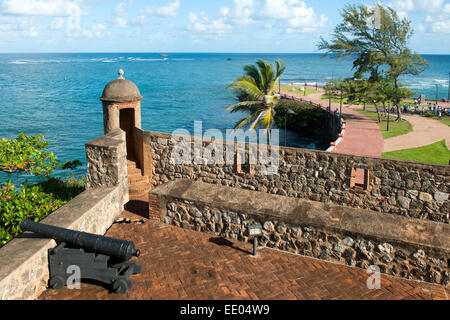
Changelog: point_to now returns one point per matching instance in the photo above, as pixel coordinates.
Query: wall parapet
(406, 247)
(107, 160)
(404, 188)
(24, 269)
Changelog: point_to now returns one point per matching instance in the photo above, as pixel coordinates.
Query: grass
(325, 98)
(434, 153)
(297, 90)
(445, 119)
(396, 128)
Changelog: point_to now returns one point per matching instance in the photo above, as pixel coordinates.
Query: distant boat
(164, 55)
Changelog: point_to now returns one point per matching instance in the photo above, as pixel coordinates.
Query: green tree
(379, 39)
(258, 86)
(28, 154)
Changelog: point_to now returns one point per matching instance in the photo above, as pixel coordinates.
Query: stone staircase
(138, 184)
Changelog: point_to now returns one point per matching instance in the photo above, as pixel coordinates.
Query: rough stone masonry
(404, 188)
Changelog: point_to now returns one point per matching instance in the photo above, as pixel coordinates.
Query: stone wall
(24, 269)
(403, 188)
(410, 248)
(107, 160)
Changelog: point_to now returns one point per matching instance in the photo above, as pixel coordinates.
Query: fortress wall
(405, 188)
(400, 246)
(24, 269)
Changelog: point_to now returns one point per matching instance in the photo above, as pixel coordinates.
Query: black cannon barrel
(120, 249)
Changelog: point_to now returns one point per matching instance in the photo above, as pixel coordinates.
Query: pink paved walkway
(362, 136)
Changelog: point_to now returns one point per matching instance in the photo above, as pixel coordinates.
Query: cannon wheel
(56, 282)
(120, 286)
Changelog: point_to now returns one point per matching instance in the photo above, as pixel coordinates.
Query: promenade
(425, 131)
(362, 135)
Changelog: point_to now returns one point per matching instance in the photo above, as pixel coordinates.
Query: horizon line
(196, 52)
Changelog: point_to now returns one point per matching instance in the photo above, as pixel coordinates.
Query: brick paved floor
(183, 264)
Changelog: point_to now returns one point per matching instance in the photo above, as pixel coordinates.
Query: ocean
(57, 95)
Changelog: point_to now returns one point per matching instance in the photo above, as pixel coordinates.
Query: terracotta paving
(181, 264)
(362, 136)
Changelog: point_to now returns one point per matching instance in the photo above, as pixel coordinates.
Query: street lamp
(289, 111)
(437, 91)
(448, 97)
(255, 231)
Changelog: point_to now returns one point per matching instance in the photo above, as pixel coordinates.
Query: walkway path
(183, 264)
(425, 131)
(362, 136)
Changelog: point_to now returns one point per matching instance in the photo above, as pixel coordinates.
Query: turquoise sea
(57, 95)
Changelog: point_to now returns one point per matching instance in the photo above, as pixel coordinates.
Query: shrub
(27, 154)
(34, 201)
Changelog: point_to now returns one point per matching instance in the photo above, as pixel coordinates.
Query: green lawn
(395, 128)
(325, 98)
(297, 90)
(433, 153)
(445, 119)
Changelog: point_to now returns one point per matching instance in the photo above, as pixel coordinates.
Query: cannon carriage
(97, 257)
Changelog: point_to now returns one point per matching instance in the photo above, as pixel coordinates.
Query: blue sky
(197, 25)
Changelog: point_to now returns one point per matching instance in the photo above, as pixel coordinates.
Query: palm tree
(258, 90)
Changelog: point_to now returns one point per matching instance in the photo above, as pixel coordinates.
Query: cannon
(98, 258)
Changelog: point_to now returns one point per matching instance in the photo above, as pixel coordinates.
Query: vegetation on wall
(308, 120)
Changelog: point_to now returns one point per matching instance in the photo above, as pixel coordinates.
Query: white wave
(19, 62)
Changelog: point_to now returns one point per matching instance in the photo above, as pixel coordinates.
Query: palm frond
(267, 120)
(253, 72)
(248, 87)
(257, 120)
(281, 67)
(243, 106)
(267, 74)
(245, 121)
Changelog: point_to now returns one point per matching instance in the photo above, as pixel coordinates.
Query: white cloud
(406, 6)
(202, 23)
(15, 23)
(295, 14)
(121, 18)
(438, 19)
(277, 9)
(57, 23)
(51, 8)
(65, 16)
(168, 11)
(240, 13)
(120, 9)
(441, 26)
(95, 31)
